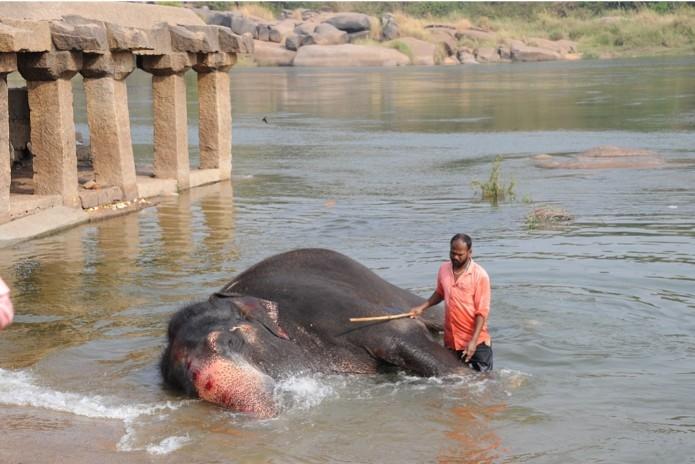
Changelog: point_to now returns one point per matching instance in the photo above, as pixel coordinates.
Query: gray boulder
(326, 34)
(295, 41)
(466, 56)
(263, 32)
(350, 22)
(487, 55)
(528, 53)
(280, 30)
(389, 27)
(242, 24)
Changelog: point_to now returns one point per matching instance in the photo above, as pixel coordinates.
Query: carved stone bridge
(49, 43)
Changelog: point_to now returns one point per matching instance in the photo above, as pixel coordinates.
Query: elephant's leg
(408, 345)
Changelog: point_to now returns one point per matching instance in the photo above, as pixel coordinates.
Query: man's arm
(434, 299)
(473, 344)
(481, 300)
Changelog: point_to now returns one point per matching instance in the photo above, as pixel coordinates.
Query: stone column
(171, 159)
(215, 110)
(109, 120)
(8, 63)
(48, 77)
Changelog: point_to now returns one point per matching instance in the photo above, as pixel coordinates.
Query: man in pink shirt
(6, 310)
(464, 286)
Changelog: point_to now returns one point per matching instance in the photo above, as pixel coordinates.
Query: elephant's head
(221, 350)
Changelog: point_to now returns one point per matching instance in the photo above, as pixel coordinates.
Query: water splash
(303, 391)
(20, 388)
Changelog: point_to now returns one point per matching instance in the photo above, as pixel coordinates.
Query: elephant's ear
(263, 311)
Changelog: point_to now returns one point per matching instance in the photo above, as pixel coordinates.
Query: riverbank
(377, 34)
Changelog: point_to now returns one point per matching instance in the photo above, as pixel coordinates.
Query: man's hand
(469, 351)
(417, 312)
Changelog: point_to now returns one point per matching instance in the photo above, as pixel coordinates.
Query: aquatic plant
(495, 189)
(547, 216)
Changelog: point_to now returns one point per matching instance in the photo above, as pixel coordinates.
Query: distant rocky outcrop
(438, 43)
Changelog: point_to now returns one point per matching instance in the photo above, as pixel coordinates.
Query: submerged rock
(602, 157)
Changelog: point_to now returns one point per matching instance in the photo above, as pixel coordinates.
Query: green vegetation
(401, 47)
(494, 189)
(601, 29)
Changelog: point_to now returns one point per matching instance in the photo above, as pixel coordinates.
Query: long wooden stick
(379, 318)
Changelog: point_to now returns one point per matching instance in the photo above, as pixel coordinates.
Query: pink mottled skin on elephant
(234, 385)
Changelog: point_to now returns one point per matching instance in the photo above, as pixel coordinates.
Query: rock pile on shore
(314, 38)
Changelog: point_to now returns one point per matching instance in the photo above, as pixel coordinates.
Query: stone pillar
(48, 77)
(109, 120)
(171, 160)
(8, 63)
(215, 110)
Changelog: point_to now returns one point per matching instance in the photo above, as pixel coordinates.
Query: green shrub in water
(494, 189)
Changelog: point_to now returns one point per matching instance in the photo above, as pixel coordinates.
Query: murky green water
(593, 323)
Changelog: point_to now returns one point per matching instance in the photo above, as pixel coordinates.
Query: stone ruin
(104, 42)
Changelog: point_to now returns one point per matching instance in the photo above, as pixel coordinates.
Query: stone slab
(24, 36)
(203, 177)
(89, 37)
(101, 196)
(149, 187)
(44, 223)
(23, 205)
(129, 14)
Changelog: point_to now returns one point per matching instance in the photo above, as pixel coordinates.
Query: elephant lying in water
(289, 314)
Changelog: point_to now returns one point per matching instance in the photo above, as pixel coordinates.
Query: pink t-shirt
(464, 299)
(6, 310)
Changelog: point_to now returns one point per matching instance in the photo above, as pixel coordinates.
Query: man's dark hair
(465, 238)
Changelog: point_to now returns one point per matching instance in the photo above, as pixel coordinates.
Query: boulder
(327, 34)
(217, 18)
(306, 28)
(280, 30)
(349, 55)
(350, 22)
(295, 41)
(602, 157)
(263, 32)
(422, 53)
(560, 46)
(466, 56)
(528, 53)
(242, 24)
(487, 55)
(446, 37)
(353, 36)
(389, 27)
(272, 54)
(450, 60)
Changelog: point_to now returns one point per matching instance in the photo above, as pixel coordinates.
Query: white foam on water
(168, 445)
(19, 388)
(303, 392)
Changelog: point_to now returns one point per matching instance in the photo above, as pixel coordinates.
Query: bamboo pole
(379, 318)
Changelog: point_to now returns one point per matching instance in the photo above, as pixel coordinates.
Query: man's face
(459, 254)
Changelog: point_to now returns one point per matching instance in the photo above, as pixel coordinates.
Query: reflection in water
(472, 430)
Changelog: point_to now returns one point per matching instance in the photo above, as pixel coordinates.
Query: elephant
(288, 315)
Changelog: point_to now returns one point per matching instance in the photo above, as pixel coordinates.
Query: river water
(593, 322)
